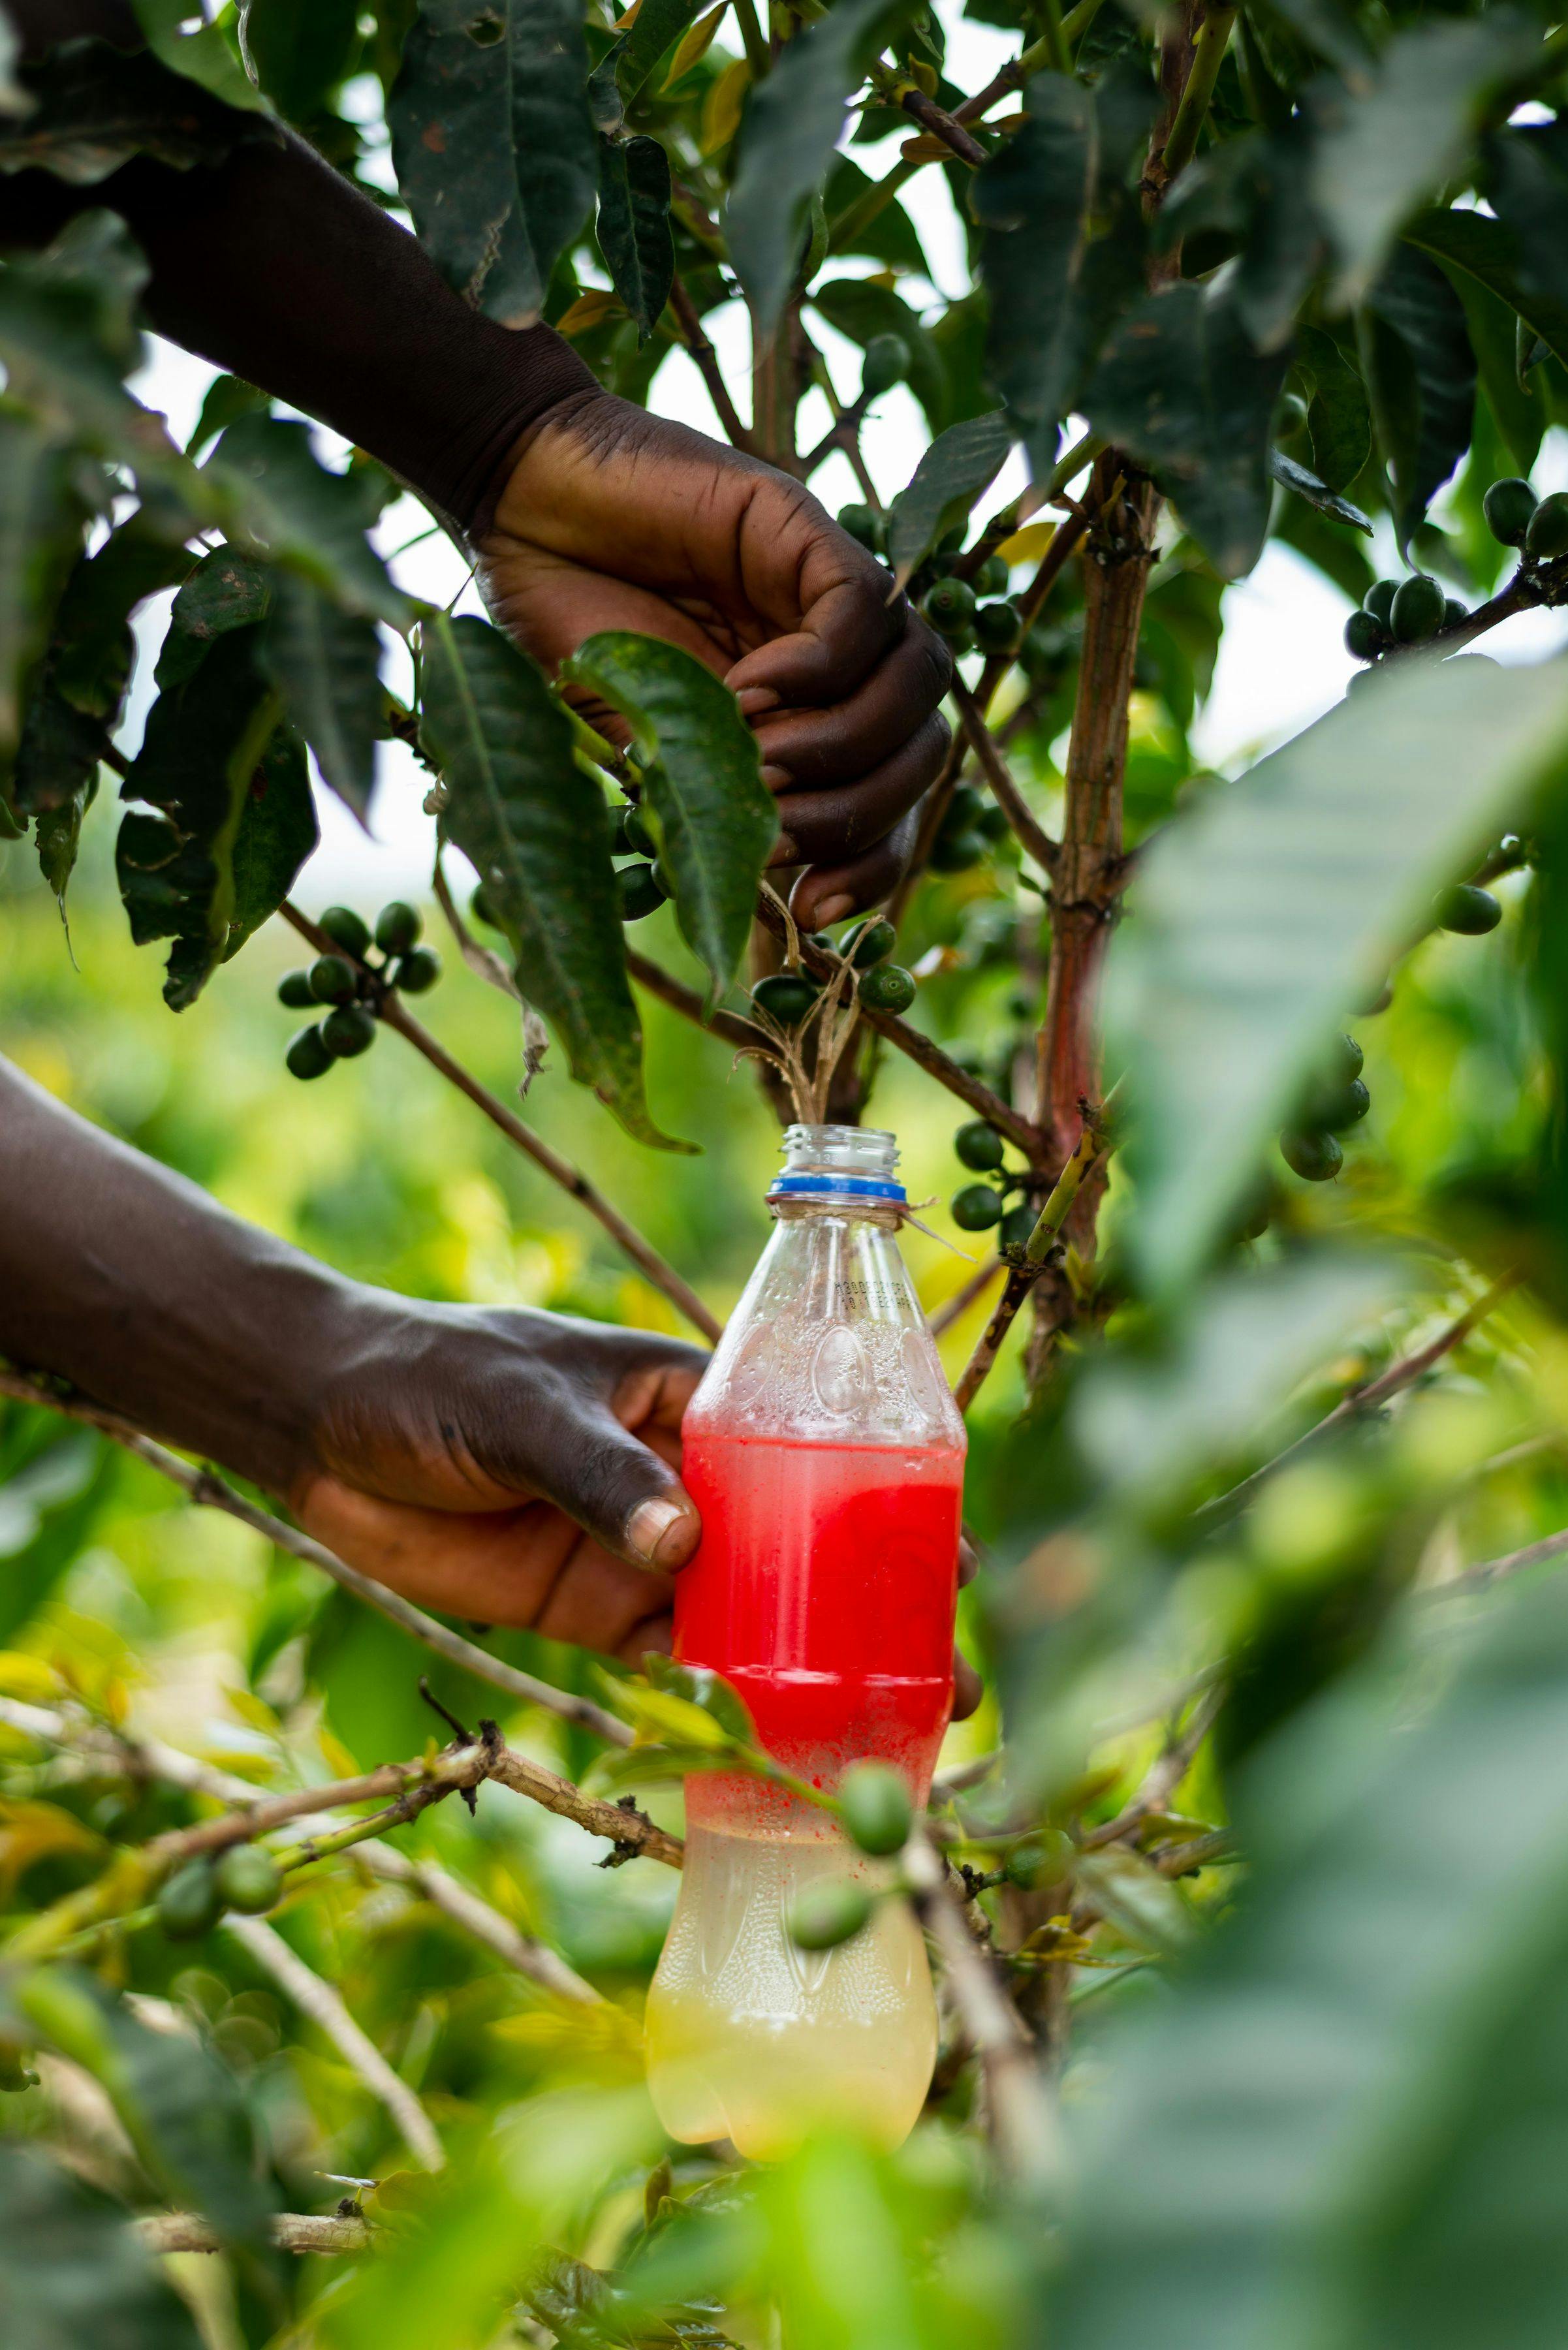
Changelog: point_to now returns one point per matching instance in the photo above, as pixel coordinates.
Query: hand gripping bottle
(826, 1455)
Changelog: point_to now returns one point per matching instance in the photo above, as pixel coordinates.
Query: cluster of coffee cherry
(788, 996)
(347, 986)
(982, 1207)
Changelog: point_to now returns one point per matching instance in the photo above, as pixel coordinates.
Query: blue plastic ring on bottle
(862, 1187)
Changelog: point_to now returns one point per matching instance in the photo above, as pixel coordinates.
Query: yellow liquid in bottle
(752, 2039)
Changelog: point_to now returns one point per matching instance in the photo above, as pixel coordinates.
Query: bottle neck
(838, 1170)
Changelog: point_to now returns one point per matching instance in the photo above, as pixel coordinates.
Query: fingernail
(785, 851)
(833, 910)
(660, 1532)
(755, 700)
(776, 779)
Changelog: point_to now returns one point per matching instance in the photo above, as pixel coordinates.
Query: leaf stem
(1208, 55)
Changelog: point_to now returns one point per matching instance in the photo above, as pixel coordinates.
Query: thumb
(620, 1490)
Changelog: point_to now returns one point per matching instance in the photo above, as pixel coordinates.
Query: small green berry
(1315, 1158)
(639, 840)
(346, 930)
(1418, 610)
(307, 1055)
(995, 628)
(991, 824)
(1348, 1058)
(949, 607)
(1018, 1226)
(642, 891)
(334, 980)
(398, 926)
(348, 1032)
(417, 971)
(1547, 536)
(994, 577)
(886, 362)
(1365, 638)
(877, 1812)
(1507, 507)
(294, 989)
(1044, 1858)
(864, 524)
(873, 945)
(249, 1879)
(826, 1914)
(481, 907)
(1471, 912)
(1454, 613)
(956, 852)
(889, 988)
(979, 1146)
(787, 996)
(977, 1208)
(1379, 600)
(188, 1902)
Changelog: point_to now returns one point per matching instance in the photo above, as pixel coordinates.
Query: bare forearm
(134, 1285)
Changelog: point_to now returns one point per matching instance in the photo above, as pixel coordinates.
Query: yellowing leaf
(590, 310)
(721, 107)
(28, 1678)
(30, 1832)
(695, 44)
(659, 1716)
(254, 1710)
(1028, 544)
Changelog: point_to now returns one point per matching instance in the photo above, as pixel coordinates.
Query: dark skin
(512, 1467)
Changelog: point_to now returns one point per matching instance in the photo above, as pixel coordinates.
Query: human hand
(612, 518)
(512, 1467)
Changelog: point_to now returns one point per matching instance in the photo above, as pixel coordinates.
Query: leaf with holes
(535, 827)
(630, 61)
(960, 463)
(327, 664)
(493, 146)
(792, 126)
(716, 818)
(95, 109)
(1276, 903)
(634, 226)
(227, 590)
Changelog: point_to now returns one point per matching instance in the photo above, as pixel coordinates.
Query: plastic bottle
(825, 1454)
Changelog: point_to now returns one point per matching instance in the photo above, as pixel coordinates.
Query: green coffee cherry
(417, 972)
(483, 910)
(864, 524)
(994, 577)
(1379, 600)
(333, 980)
(827, 1914)
(1018, 1227)
(188, 1902)
(1471, 912)
(348, 1032)
(1315, 1158)
(955, 852)
(294, 989)
(249, 1879)
(346, 930)
(1348, 1058)
(1044, 1858)
(876, 1809)
(639, 840)
(889, 988)
(963, 807)
(886, 362)
(1342, 1106)
(15, 2073)
(873, 945)
(976, 1208)
(979, 1146)
(1547, 536)
(1454, 611)
(642, 891)
(786, 995)
(949, 607)
(1417, 611)
(398, 926)
(991, 824)
(1507, 507)
(995, 628)
(307, 1055)
(1365, 637)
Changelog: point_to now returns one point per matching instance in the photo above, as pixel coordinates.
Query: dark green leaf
(299, 50)
(634, 225)
(1520, 413)
(1420, 375)
(1273, 905)
(535, 827)
(205, 739)
(861, 310)
(889, 236)
(303, 516)
(493, 146)
(1336, 554)
(1064, 248)
(96, 108)
(188, 44)
(57, 831)
(277, 833)
(792, 127)
(1331, 31)
(1340, 2127)
(1339, 422)
(630, 59)
(327, 664)
(1181, 385)
(717, 820)
(1251, 188)
(702, 1687)
(960, 463)
(71, 2270)
(227, 399)
(40, 537)
(1306, 485)
(1380, 154)
(1489, 252)
(226, 592)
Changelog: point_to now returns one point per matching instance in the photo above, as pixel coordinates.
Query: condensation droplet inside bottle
(840, 1376)
(751, 1369)
(926, 1389)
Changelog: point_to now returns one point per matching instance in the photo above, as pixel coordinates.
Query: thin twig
(212, 1492)
(1022, 2120)
(1496, 1570)
(955, 136)
(954, 1308)
(393, 1013)
(290, 2231)
(464, 1907)
(695, 338)
(1031, 836)
(324, 2007)
(741, 1034)
(1164, 1775)
(1356, 1405)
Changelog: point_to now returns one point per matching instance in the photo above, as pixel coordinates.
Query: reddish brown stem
(694, 336)
(943, 126)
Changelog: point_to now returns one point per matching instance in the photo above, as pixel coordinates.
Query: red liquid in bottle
(825, 1590)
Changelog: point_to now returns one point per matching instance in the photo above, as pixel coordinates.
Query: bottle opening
(838, 1163)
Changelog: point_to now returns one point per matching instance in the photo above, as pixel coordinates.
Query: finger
(968, 1561)
(849, 819)
(811, 747)
(845, 631)
(968, 1687)
(827, 893)
(620, 1490)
